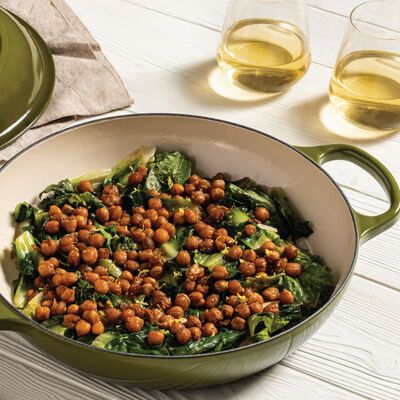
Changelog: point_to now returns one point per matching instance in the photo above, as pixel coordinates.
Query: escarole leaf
(168, 168)
(20, 299)
(35, 302)
(236, 217)
(211, 260)
(316, 280)
(23, 211)
(56, 193)
(293, 286)
(112, 269)
(120, 173)
(180, 203)
(102, 340)
(26, 254)
(250, 198)
(256, 240)
(175, 244)
(94, 177)
(259, 283)
(294, 223)
(263, 325)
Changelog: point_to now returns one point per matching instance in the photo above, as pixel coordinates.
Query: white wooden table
(164, 51)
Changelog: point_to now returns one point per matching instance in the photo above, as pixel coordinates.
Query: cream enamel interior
(215, 146)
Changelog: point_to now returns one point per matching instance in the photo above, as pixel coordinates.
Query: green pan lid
(27, 76)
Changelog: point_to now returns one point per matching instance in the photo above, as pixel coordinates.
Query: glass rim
(362, 31)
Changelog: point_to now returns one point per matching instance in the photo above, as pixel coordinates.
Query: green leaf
(180, 203)
(260, 283)
(27, 257)
(294, 286)
(112, 269)
(120, 173)
(102, 340)
(263, 325)
(171, 167)
(20, 299)
(256, 240)
(35, 302)
(236, 217)
(175, 244)
(23, 211)
(94, 177)
(250, 198)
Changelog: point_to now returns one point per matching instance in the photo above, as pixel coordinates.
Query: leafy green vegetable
(263, 325)
(22, 286)
(58, 329)
(102, 340)
(176, 204)
(23, 211)
(211, 260)
(85, 291)
(294, 223)
(250, 198)
(27, 257)
(112, 269)
(119, 174)
(256, 240)
(223, 340)
(175, 244)
(122, 242)
(53, 321)
(90, 201)
(133, 196)
(35, 302)
(94, 177)
(270, 231)
(316, 280)
(57, 193)
(168, 168)
(236, 217)
(261, 282)
(294, 286)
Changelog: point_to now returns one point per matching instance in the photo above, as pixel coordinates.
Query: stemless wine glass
(264, 44)
(365, 86)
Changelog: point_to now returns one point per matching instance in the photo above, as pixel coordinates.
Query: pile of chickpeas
(221, 302)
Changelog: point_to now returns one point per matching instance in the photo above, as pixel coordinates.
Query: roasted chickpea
(88, 305)
(69, 224)
(198, 197)
(67, 209)
(120, 257)
(250, 229)
(52, 227)
(49, 247)
(219, 272)
(91, 316)
(272, 308)
(262, 214)
(101, 286)
(195, 332)
(272, 256)
(183, 335)
(291, 252)
(235, 252)
(218, 183)
(82, 328)
(256, 308)
(85, 186)
(183, 258)
(269, 245)
(238, 323)
(155, 338)
(58, 308)
(69, 278)
(65, 294)
(154, 203)
(255, 297)
(145, 255)
(243, 310)
(170, 228)
(235, 287)
(233, 300)
(209, 329)
(161, 235)
(206, 232)
(293, 269)
(286, 297)
(247, 268)
(73, 309)
(202, 288)
(249, 255)
(182, 300)
(147, 289)
(213, 315)
(42, 313)
(46, 269)
(189, 286)
(261, 264)
(190, 216)
(212, 300)
(70, 320)
(178, 189)
(134, 324)
(127, 313)
(193, 321)
(197, 299)
(165, 321)
(176, 312)
(89, 255)
(74, 257)
(179, 217)
(217, 194)
(98, 328)
(135, 178)
(217, 212)
(193, 243)
(207, 246)
(54, 261)
(221, 286)
(54, 211)
(228, 311)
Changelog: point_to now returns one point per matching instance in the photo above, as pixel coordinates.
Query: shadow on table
(209, 86)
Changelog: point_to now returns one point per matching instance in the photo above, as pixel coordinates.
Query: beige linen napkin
(86, 82)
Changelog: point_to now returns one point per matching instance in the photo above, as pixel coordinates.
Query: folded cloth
(86, 82)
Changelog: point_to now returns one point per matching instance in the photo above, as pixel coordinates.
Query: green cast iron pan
(27, 76)
(215, 146)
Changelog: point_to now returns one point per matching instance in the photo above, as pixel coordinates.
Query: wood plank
(356, 351)
(180, 62)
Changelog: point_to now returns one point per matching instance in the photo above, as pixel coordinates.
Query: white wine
(365, 88)
(264, 55)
